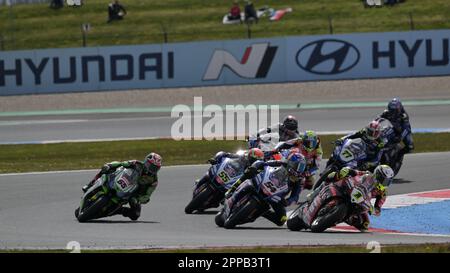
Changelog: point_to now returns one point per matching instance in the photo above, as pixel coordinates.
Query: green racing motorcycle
(108, 194)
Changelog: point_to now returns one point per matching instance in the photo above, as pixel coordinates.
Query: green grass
(38, 26)
(92, 155)
(417, 248)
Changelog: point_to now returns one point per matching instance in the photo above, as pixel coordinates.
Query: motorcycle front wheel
(241, 214)
(294, 222)
(334, 215)
(94, 210)
(198, 202)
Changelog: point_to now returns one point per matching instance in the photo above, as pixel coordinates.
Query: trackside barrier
(250, 61)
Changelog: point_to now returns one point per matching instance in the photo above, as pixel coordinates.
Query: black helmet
(290, 123)
(395, 107)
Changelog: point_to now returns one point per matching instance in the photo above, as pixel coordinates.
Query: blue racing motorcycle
(211, 193)
(265, 188)
(351, 153)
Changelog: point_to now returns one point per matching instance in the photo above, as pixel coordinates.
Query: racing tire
(243, 212)
(294, 223)
(331, 218)
(219, 219)
(198, 201)
(93, 211)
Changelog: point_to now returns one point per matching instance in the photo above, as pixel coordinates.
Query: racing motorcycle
(212, 193)
(338, 207)
(392, 154)
(264, 188)
(267, 143)
(351, 153)
(108, 194)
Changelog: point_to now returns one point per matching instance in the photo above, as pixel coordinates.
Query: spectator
(235, 12)
(373, 3)
(250, 12)
(56, 4)
(74, 3)
(116, 11)
(391, 2)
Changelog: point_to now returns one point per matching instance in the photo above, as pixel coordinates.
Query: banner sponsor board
(253, 61)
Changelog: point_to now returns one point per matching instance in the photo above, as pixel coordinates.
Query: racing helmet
(383, 175)
(152, 163)
(290, 123)
(296, 165)
(373, 130)
(309, 140)
(254, 154)
(395, 107)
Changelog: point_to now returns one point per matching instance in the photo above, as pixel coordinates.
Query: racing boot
(134, 212)
(359, 222)
(274, 218)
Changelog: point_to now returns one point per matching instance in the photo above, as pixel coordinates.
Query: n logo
(254, 64)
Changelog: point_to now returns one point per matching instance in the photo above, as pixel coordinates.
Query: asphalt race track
(36, 211)
(30, 129)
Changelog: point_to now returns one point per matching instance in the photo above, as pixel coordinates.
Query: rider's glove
(251, 171)
(233, 187)
(365, 166)
(268, 154)
(229, 193)
(345, 172)
(105, 168)
(339, 142)
(377, 211)
(212, 161)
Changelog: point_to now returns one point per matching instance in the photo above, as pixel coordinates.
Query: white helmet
(383, 175)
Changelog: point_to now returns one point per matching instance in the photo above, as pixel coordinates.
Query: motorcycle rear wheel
(219, 219)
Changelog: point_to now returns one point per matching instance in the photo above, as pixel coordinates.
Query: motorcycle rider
(399, 119)
(147, 181)
(287, 130)
(372, 185)
(371, 135)
(290, 170)
(310, 147)
(245, 159)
